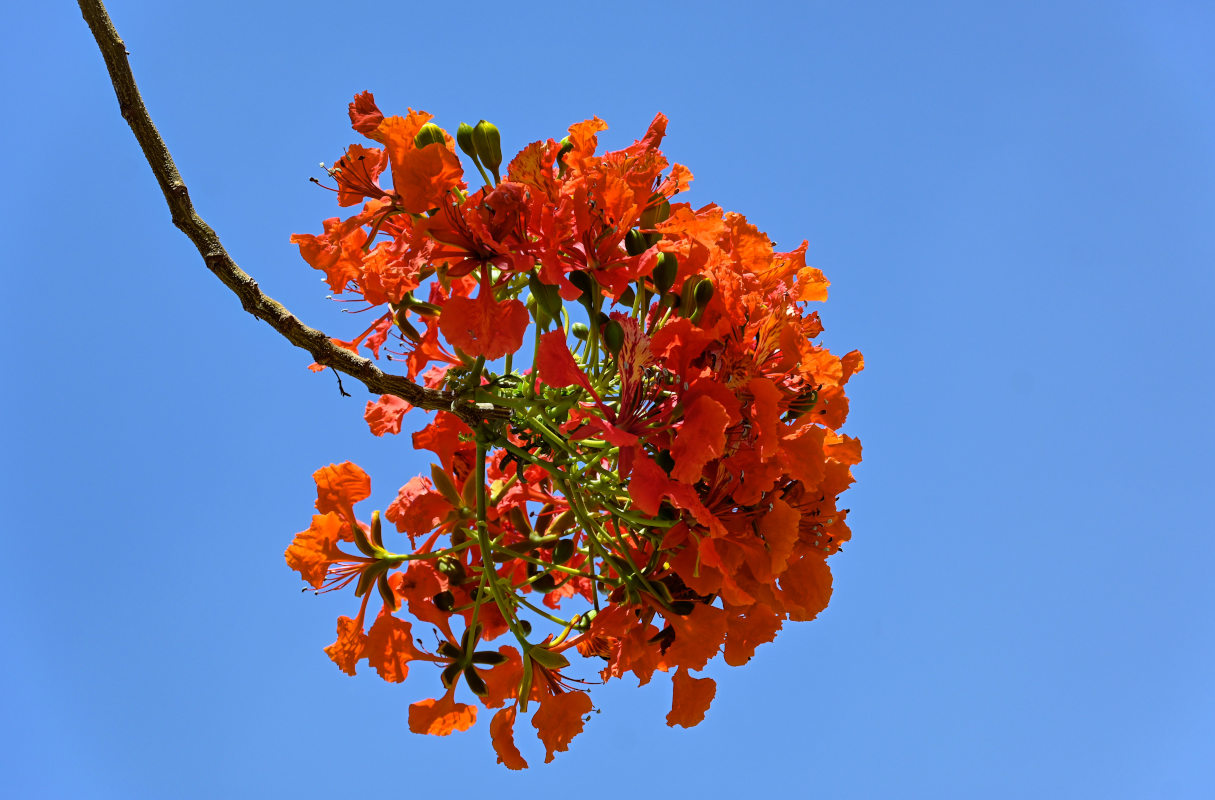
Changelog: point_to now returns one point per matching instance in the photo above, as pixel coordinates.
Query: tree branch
(252, 299)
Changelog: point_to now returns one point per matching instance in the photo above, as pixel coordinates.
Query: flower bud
(682, 607)
(548, 297)
(664, 271)
(430, 134)
(702, 294)
(580, 331)
(658, 211)
(545, 583)
(541, 316)
(635, 242)
(444, 601)
(453, 568)
(564, 551)
(613, 336)
(489, 145)
(652, 216)
(581, 281)
(663, 459)
(464, 138)
(628, 296)
(687, 296)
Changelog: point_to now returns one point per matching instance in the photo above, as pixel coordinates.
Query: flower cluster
(658, 487)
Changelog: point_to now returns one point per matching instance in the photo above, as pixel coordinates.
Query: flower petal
(340, 486)
(559, 720)
(350, 644)
(441, 717)
(502, 733)
(390, 647)
(691, 698)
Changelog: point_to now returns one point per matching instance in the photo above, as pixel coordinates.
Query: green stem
(487, 557)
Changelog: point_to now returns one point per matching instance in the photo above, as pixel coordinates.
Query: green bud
(658, 211)
(541, 316)
(664, 459)
(444, 601)
(613, 336)
(564, 551)
(526, 626)
(458, 537)
(702, 295)
(687, 297)
(430, 134)
(489, 145)
(627, 297)
(453, 568)
(635, 243)
(665, 270)
(548, 297)
(545, 583)
(581, 281)
(566, 146)
(580, 331)
(464, 138)
(682, 607)
(585, 620)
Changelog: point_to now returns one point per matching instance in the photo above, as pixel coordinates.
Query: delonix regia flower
(659, 486)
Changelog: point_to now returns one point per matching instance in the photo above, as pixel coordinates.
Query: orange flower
(663, 481)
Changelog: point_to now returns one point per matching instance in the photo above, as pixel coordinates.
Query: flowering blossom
(665, 487)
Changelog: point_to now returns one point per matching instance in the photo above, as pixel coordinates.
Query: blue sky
(1014, 202)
